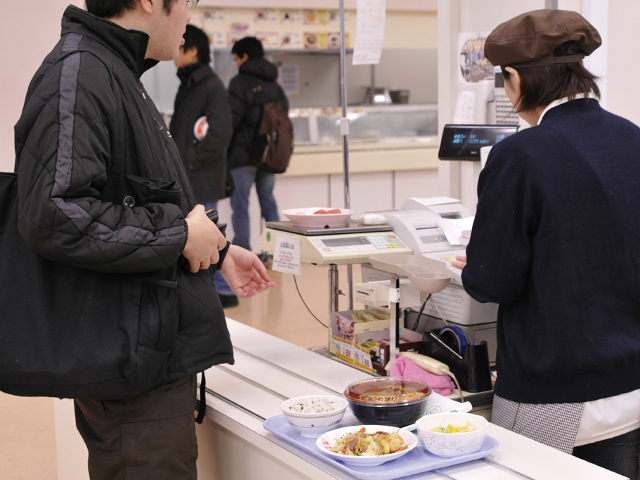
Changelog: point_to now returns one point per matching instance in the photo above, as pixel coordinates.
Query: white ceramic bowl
(327, 440)
(452, 444)
(306, 217)
(312, 425)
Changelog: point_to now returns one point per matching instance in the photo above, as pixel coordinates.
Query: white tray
(416, 461)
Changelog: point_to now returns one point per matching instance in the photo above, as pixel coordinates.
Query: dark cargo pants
(151, 436)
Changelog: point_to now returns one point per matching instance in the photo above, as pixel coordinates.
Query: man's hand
(204, 240)
(245, 273)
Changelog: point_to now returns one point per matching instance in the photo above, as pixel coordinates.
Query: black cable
(415, 325)
(305, 303)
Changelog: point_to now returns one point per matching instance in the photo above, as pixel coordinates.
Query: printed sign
(286, 256)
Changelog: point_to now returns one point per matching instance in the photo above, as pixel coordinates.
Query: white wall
(28, 31)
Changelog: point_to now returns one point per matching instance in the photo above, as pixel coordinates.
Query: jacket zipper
(144, 96)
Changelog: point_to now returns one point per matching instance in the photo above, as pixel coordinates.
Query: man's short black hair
(194, 37)
(249, 45)
(117, 8)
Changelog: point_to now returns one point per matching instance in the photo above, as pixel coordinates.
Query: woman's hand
(461, 262)
(245, 273)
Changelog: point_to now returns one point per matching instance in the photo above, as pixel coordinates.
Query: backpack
(272, 145)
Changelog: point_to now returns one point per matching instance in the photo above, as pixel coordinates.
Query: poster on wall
(266, 15)
(291, 16)
(213, 14)
(269, 39)
(291, 40)
(217, 40)
(473, 65)
(289, 78)
(370, 23)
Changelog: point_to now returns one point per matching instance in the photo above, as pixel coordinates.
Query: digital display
(345, 241)
(463, 142)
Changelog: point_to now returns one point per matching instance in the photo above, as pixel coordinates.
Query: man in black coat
(201, 127)
(104, 199)
(255, 72)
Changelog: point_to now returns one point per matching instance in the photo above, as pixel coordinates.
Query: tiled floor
(27, 432)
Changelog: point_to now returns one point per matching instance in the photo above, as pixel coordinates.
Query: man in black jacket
(86, 126)
(254, 72)
(201, 126)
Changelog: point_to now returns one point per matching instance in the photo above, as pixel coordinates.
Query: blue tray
(416, 461)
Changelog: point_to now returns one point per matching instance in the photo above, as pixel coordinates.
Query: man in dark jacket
(254, 73)
(87, 126)
(201, 127)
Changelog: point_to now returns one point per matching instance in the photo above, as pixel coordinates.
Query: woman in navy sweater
(556, 242)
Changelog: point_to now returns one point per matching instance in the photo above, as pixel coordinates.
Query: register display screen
(463, 142)
(345, 241)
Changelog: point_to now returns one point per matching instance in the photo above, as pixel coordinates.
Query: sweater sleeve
(68, 132)
(499, 252)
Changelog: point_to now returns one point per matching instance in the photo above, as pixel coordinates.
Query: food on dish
(328, 212)
(314, 405)
(362, 444)
(392, 393)
(468, 427)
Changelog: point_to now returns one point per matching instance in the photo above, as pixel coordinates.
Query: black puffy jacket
(77, 112)
(202, 94)
(246, 112)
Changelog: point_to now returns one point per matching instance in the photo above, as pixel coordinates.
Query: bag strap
(202, 408)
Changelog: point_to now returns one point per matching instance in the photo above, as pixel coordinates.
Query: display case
(367, 124)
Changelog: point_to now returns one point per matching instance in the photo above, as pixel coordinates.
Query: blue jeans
(618, 454)
(222, 287)
(244, 178)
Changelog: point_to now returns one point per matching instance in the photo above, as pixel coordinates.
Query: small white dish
(306, 217)
(312, 425)
(327, 440)
(452, 444)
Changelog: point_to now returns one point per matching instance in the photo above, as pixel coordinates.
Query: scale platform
(352, 227)
(351, 244)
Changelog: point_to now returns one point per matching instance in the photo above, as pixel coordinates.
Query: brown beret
(529, 40)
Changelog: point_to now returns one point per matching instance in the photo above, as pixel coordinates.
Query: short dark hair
(539, 86)
(194, 37)
(117, 8)
(249, 45)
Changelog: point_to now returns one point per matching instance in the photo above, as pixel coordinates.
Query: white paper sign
(453, 228)
(286, 256)
(465, 107)
(369, 32)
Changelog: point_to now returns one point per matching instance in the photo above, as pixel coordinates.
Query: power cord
(415, 325)
(305, 303)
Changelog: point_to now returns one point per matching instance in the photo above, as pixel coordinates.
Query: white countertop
(269, 370)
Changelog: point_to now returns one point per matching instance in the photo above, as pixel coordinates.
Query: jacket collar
(129, 45)
(193, 74)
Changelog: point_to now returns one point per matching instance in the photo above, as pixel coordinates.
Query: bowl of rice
(313, 415)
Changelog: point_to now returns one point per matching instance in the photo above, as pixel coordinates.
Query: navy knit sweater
(556, 242)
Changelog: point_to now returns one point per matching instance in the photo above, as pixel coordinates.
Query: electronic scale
(351, 244)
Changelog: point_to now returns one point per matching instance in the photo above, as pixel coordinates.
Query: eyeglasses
(192, 3)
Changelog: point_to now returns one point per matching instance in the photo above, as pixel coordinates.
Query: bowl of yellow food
(452, 434)
(366, 445)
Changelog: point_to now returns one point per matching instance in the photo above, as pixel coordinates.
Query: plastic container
(388, 401)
